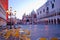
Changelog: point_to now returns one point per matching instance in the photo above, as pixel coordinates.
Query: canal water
(46, 31)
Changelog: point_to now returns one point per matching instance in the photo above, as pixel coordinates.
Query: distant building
(34, 17)
(24, 19)
(30, 19)
(49, 13)
(3, 9)
(18, 21)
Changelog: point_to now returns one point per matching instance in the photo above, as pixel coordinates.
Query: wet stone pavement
(38, 31)
(46, 31)
(14, 34)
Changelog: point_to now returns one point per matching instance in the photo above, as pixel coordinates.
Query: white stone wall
(50, 14)
(41, 9)
(56, 5)
(49, 5)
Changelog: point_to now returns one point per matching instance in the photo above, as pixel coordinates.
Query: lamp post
(9, 12)
(10, 17)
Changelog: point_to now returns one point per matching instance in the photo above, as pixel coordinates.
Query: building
(24, 19)
(34, 17)
(30, 19)
(3, 9)
(49, 13)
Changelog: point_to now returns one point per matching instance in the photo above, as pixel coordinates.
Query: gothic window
(54, 0)
(47, 8)
(43, 10)
(40, 12)
(52, 6)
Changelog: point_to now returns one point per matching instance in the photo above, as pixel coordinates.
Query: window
(51, 2)
(52, 5)
(27, 20)
(43, 10)
(40, 12)
(35, 16)
(47, 8)
(54, 0)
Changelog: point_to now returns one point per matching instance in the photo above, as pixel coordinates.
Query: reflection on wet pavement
(46, 31)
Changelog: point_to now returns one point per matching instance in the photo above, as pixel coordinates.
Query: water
(47, 31)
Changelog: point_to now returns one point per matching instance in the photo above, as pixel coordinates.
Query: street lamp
(10, 17)
(9, 12)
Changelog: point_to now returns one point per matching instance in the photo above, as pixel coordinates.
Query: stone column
(56, 21)
(53, 21)
(49, 21)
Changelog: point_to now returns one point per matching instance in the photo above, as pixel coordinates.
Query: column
(49, 21)
(53, 21)
(56, 21)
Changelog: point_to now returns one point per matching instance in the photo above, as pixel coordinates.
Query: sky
(25, 6)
